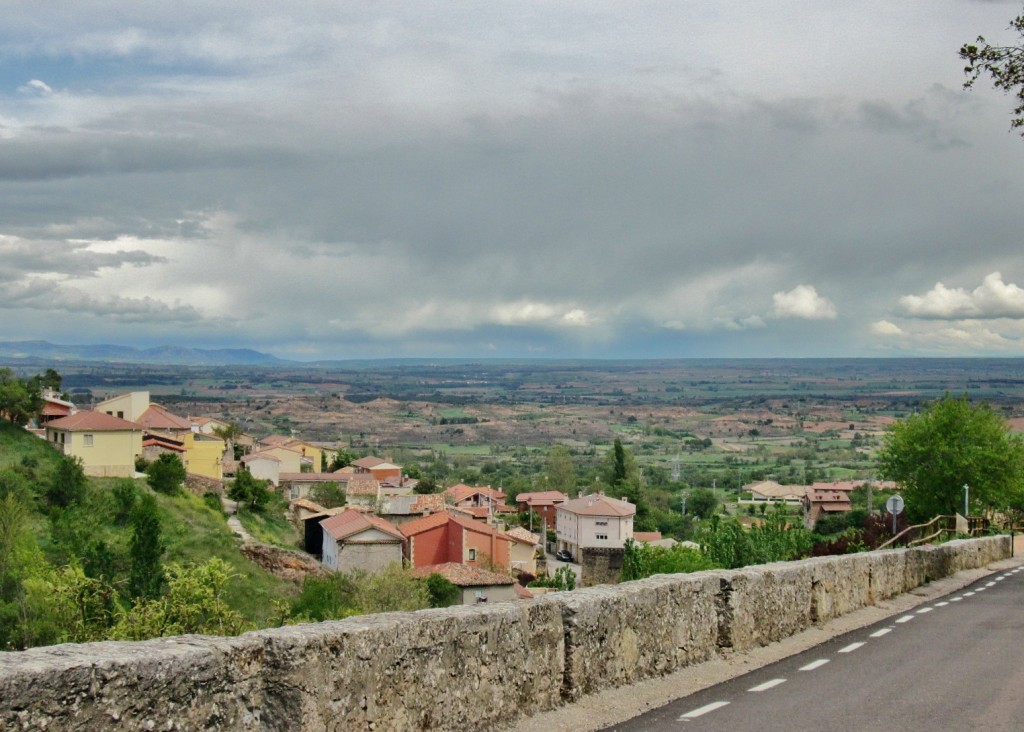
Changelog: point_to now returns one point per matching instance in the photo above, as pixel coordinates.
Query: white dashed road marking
(924, 610)
(956, 599)
(851, 648)
(968, 594)
(905, 619)
(880, 633)
(814, 664)
(701, 711)
(768, 685)
(941, 604)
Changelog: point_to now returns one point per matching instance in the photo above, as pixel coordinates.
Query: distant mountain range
(42, 350)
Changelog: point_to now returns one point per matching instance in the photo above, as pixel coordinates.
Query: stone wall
(459, 668)
(600, 565)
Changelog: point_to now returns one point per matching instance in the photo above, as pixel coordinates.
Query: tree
(145, 575)
(953, 443)
(425, 486)
(560, 471)
(249, 491)
(442, 592)
(67, 484)
(702, 502)
(1003, 64)
(328, 495)
(166, 474)
(20, 399)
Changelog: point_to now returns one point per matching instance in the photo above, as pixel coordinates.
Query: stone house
(476, 585)
(357, 540)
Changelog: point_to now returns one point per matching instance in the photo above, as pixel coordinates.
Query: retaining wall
(458, 668)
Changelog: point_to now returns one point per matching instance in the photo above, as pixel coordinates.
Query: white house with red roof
(106, 445)
(359, 540)
(475, 584)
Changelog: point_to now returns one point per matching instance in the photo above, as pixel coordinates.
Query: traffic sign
(894, 505)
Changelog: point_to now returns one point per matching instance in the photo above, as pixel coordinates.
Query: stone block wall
(459, 668)
(601, 565)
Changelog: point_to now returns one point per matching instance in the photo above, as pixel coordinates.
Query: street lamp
(967, 493)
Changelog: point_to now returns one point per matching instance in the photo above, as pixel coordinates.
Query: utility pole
(967, 493)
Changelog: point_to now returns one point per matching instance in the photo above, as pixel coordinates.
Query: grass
(270, 526)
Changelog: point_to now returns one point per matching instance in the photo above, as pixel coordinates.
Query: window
(87, 440)
(602, 536)
(472, 555)
(120, 415)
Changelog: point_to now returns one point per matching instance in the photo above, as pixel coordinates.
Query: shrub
(166, 474)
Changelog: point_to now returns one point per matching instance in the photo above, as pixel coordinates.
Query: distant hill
(42, 350)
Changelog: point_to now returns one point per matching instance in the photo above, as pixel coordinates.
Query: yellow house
(523, 550)
(289, 458)
(203, 455)
(312, 455)
(126, 406)
(107, 445)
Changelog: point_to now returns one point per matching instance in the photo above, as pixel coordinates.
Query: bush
(250, 492)
(166, 474)
(213, 500)
(442, 592)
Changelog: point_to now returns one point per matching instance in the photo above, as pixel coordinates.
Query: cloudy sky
(483, 179)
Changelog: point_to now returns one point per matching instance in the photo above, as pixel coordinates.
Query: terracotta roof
(362, 485)
(306, 504)
(52, 408)
(523, 536)
(158, 418)
(414, 504)
(829, 495)
(771, 489)
(542, 498)
(155, 441)
(418, 526)
(94, 422)
(461, 492)
(647, 536)
(463, 575)
(259, 456)
(310, 478)
(598, 505)
(522, 593)
(275, 440)
(367, 462)
(350, 522)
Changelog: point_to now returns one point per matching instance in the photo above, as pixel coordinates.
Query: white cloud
(886, 328)
(803, 301)
(35, 86)
(993, 298)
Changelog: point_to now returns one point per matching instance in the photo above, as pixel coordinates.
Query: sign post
(894, 506)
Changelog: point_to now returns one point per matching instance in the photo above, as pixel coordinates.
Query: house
(823, 502)
(363, 490)
(358, 540)
(204, 455)
(126, 406)
(768, 491)
(543, 503)
(594, 521)
(523, 550)
(211, 425)
(290, 459)
(157, 418)
(263, 466)
(299, 485)
(107, 445)
(311, 457)
(448, 537)
(54, 407)
(379, 469)
(403, 509)
(476, 585)
(155, 444)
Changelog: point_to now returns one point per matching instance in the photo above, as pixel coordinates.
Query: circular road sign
(894, 505)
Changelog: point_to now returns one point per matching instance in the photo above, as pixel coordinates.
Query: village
(476, 537)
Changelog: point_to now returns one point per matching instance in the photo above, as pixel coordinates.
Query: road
(951, 663)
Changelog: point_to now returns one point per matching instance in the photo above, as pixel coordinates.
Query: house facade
(358, 540)
(447, 537)
(475, 585)
(107, 445)
(594, 521)
(204, 455)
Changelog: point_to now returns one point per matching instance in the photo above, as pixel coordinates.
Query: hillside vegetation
(69, 551)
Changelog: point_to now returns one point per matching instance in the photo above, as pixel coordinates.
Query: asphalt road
(953, 663)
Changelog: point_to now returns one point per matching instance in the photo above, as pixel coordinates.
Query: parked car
(563, 556)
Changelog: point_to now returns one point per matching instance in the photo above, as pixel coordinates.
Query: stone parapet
(476, 667)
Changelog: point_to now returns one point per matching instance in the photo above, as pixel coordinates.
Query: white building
(594, 521)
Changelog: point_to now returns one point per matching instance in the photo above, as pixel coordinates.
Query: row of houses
(818, 499)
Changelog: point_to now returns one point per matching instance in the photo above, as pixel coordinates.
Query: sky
(330, 180)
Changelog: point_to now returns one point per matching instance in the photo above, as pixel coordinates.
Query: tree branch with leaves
(1004, 65)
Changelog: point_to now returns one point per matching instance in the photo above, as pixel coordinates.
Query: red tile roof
(349, 523)
(647, 536)
(94, 422)
(542, 498)
(158, 418)
(598, 505)
(462, 575)
(418, 526)
(368, 462)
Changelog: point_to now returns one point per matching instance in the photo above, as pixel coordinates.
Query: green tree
(560, 470)
(20, 399)
(1004, 65)
(249, 491)
(341, 459)
(67, 484)
(953, 443)
(442, 592)
(328, 495)
(393, 588)
(701, 502)
(166, 474)
(425, 486)
(145, 574)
